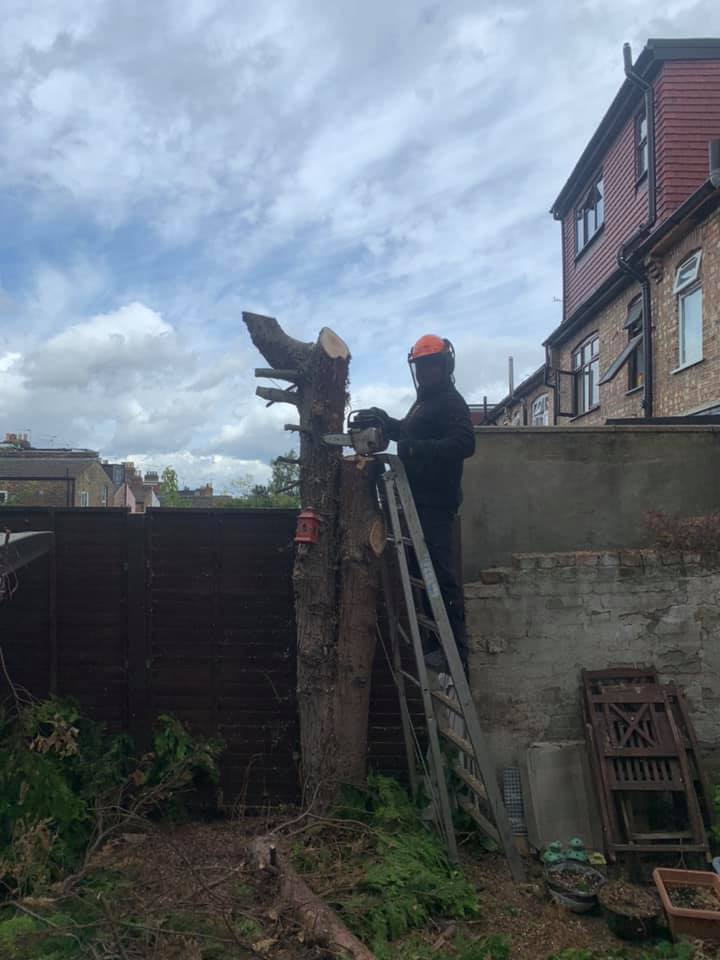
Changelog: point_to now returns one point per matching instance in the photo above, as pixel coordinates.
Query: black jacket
(441, 436)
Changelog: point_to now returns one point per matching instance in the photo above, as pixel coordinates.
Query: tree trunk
(335, 585)
(362, 540)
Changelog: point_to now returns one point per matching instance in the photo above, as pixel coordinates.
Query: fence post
(52, 607)
(137, 669)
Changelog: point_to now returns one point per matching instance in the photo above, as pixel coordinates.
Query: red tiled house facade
(640, 223)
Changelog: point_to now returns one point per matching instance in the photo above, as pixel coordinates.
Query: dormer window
(590, 215)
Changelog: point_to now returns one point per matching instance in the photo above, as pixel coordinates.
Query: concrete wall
(548, 489)
(534, 625)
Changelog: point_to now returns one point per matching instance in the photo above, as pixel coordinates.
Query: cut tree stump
(335, 579)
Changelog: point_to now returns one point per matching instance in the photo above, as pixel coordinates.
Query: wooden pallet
(654, 797)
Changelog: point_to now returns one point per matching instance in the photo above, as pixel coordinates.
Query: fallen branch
(320, 924)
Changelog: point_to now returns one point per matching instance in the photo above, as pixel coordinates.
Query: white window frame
(641, 145)
(104, 496)
(587, 374)
(683, 361)
(84, 498)
(541, 411)
(4, 497)
(590, 215)
(687, 273)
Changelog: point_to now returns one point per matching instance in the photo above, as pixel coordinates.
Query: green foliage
(169, 495)
(280, 492)
(494, 947)
(61, 775)
(409, 879)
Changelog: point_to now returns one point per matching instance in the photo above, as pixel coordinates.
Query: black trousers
(437, 524)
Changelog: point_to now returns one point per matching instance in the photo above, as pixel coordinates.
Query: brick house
(640, 223)
(529, 404)
(52, 478)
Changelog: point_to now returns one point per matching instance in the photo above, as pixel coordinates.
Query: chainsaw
(365, 434)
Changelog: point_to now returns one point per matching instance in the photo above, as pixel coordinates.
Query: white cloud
(385, 169)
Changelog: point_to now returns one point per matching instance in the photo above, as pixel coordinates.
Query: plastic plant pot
(628, 920)
(699, 924)
(580, 895)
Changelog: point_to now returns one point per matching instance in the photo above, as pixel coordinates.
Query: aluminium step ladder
(449, 712)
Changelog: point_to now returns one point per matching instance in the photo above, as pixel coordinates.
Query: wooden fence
(187, 612)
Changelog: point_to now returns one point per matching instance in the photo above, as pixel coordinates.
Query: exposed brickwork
(60, 492)
(698, 386)
(519, 411)
(38, 493)
(96, 482)
(615, 398)
(534, 626)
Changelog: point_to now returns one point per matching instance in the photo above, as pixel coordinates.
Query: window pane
(599, 205)
(595, 346)
(691, 327)
(594, 383)
(639, 366)
(577, 360)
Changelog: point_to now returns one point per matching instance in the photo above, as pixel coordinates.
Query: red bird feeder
(308, 527)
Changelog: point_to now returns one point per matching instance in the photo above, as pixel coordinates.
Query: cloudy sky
(381, 168)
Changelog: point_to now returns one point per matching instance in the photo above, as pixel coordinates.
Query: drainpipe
(647, 89)
(638, 273)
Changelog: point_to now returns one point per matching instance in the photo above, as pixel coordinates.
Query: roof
(653, 55)
(536, 379)
(696, 208)
(52, 468)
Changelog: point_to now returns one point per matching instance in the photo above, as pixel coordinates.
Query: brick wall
(522, 407)
(616, 400)
(96, 483)
(534, 625)
(675, 392)
(689, 390)
(38, 493)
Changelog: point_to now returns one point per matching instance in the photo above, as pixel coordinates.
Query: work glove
(379, 414)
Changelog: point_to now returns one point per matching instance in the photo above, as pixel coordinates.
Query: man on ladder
(434, 438)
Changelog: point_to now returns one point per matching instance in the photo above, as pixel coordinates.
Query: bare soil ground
(198, 872)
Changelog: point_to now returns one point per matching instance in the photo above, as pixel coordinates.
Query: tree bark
(362, 540)
(325, 720)
(320, 924)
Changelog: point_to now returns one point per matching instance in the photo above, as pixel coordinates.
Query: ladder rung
(406, 540)
(472, 811)
(448, 702)
(411, 678)
(417, 582)
(460, 742)
(428, 623)
(477, 786)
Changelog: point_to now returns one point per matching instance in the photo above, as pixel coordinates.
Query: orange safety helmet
(431, 346)
(428, 346)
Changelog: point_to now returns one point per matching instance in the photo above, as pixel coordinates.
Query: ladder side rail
(442, 800)
(484, 759)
